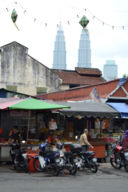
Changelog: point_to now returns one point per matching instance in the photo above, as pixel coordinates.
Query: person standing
(14, 138)
(125, 139)
(84, 140)
(14, 135)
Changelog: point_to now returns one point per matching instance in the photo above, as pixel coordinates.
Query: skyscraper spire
(59, 54)
(84, 52)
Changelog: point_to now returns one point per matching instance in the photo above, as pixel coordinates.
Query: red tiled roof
(75, 77)
(83, 92)
(88, 71)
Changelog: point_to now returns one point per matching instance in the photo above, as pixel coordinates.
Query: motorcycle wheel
(126, 166)
(116, 163)
(56, 171)
(16, 168)
(70, 169)
(24, 166)
(73, 169)
(93, 167)
(37, 165)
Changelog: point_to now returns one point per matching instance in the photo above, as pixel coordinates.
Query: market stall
(27, 109)
(96, 117)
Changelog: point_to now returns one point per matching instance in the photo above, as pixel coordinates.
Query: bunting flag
(83, 22)
(94, 95)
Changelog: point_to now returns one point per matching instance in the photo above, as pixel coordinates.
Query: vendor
(52, 124)
(14, 135)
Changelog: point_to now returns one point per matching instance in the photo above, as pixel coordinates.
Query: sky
(38, 21)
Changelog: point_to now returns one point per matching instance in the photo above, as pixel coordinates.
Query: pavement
(105, 168)
(106, 179)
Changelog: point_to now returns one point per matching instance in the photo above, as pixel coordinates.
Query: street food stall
(25, 114)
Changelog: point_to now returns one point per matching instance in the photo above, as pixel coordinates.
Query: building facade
(84, 52)
(110, 70)
(59, 53)
(22, 73)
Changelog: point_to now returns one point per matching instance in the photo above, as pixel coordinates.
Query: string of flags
(83, 21)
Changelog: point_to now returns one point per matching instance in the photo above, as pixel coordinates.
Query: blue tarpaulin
(122, 108)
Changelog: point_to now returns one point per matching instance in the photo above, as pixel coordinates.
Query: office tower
(84, 52)
(59, 54)
(110, 70)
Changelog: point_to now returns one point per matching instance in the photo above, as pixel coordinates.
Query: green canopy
(35, 104)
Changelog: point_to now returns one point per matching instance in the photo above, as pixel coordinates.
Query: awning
(101, 110)
(5, 103)
(122, 108)
(30, 104)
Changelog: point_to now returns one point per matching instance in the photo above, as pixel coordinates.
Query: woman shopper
(125, 139)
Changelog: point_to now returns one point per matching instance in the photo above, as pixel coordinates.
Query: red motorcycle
(119, 157)
(115, 158)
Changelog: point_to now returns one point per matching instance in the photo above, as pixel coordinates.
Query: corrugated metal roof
(101, 110)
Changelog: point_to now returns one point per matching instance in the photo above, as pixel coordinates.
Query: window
(41, 90)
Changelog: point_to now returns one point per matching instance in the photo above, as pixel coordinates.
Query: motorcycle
(47, 160)
(19, 157)
(84, 159)
(116, 157)
(66, 160)
(119, 157)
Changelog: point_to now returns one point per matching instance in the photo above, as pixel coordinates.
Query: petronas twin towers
(84, 51)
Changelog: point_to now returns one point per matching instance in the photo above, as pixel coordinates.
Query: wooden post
(29, 115)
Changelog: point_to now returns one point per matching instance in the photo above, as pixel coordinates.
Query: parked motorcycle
(66, 160)
(119, 157)
(84, 159)
(47, 160)
(116, 156)
(19, 157)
